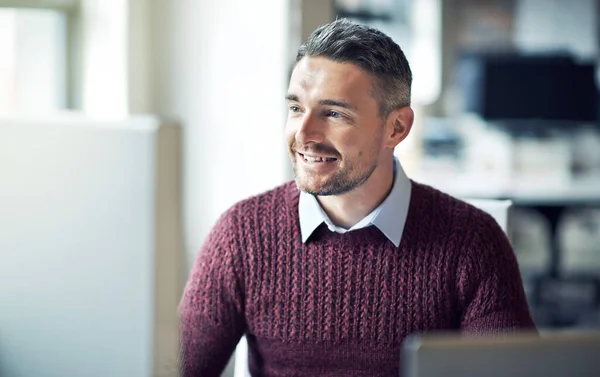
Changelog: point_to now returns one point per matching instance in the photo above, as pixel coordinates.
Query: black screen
(528, 87)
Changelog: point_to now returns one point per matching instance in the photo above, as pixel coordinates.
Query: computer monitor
(90, 268)
(517, 87)
(573, 354)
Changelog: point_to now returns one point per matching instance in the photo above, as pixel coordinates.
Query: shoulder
(239, 225)
(479, 241)
(285, 195)
(469, 232)
(251, 212)
(452, 211)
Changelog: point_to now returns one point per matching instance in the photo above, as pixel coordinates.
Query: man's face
(334, 130)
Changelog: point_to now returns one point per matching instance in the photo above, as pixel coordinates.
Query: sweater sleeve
(490, 288)
(211, 311)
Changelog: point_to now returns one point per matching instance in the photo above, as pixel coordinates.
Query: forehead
(322, 77)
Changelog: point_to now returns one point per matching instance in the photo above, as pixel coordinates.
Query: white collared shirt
(389, 216)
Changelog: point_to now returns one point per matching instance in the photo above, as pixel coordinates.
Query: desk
(549, 199)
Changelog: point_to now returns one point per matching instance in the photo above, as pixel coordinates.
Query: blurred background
(128, 126)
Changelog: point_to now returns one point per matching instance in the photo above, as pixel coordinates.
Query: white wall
(221, 67)
(557, 24)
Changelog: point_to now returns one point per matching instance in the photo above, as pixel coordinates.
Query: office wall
(221, 68)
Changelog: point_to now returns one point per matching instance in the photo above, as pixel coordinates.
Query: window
(63, 54)
(33, 68)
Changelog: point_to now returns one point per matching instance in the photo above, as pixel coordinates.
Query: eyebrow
(324, 102)
(332, 102)
(291, 97)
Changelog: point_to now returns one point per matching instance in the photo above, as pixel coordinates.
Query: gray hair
(344, 41)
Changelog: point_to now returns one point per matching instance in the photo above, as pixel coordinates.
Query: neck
(348, 209)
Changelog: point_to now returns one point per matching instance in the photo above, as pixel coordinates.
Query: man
(328, 275)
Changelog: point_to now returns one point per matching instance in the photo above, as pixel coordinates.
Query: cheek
(357, 148)
(348, 144)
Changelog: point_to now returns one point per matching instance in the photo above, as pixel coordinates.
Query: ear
(398, 125)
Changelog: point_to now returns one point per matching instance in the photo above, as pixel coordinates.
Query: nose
(311, 130)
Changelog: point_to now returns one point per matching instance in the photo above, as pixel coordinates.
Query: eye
(294, 108)
(334, 114)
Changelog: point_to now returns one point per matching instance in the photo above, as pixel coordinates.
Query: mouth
(314, 159)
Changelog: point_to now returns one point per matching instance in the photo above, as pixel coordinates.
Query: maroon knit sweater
(341, 304)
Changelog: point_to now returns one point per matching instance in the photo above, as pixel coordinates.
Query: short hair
(344, 41)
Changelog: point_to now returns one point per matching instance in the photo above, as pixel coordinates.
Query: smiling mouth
(315, 159)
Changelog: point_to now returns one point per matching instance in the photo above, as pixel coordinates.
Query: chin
(307, 186)
(319, 189)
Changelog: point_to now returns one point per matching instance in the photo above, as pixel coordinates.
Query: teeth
(318, 159)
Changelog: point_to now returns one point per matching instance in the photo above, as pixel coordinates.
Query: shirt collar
(389, 217)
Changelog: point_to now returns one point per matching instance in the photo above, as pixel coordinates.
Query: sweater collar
(389, 217)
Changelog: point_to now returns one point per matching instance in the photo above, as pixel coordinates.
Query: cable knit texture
(341, 304)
